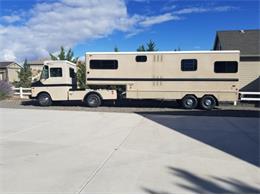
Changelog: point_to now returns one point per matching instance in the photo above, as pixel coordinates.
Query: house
(9, 71)
(36, 67)
(248, 42)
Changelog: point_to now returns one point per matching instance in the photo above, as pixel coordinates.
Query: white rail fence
(249, 96)
(22, 92)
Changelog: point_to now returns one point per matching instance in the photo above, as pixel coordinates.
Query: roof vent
(242, 31)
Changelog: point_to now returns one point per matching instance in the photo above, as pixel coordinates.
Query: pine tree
(151, 46)
(141, 48)
(116, 49)
(81, 75)
(63, 55)
(25, 75)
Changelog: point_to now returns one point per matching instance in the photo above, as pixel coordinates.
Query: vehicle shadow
(233, 132)
(118, 103)
(202, 185)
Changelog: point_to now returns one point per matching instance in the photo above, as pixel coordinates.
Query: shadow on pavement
(118, 103)
(201, 185)
(236, 136)
(214, 113)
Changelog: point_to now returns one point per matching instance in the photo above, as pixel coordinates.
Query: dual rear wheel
(207, 102)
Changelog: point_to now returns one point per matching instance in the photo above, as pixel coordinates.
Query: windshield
(45, 72)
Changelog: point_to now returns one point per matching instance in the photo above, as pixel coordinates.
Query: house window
(103, 64)
(225, 67)
(189, 65)
(56, 72)
(141, 58)
(72, 73)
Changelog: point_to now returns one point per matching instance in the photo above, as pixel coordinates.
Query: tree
(63, 55)
(25, 75)
(150, 46)
(141, 48)
(81, 75)
(116, 49)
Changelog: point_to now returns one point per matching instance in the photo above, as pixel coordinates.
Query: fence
(249, 96)
(22, 92)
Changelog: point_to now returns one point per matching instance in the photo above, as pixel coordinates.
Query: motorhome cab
(201, 78)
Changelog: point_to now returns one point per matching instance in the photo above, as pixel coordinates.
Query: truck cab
(58, 82)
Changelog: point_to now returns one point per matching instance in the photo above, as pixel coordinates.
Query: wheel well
(42, 93)
(217, 103)
(92, 92)
(189, 95)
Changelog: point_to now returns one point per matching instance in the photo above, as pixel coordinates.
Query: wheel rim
(44, 100)
(92, 101)
(208, 102)
(189, 102)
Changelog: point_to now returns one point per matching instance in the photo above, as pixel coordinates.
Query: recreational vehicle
(195, 79)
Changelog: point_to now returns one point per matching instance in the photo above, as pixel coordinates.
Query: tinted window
(189, 65)
(226, 67)
(103, 64)
(56, 72)
(72, 73)
(141, 58)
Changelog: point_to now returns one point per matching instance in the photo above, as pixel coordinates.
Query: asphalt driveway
(48, 151)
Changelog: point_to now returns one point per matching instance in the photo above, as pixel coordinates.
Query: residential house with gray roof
(9, 71)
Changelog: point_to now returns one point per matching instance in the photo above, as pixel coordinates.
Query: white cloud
(66, 22)
(11, 19)
(203, 9)
(149, 21)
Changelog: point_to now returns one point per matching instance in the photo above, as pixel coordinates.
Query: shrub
(5, 90)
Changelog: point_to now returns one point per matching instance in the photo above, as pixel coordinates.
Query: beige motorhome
(201, 78)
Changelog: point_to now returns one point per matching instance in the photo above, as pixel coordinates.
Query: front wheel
(208, 102)
(93, 100)
(44, 99)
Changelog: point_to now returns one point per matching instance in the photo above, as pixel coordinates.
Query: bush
(5, 90)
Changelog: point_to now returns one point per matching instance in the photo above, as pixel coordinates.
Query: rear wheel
(44, 99)
(208, 102)
(189, 102)
(93, 100)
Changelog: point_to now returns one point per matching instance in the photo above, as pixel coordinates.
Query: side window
(72, 73)
(45, 72)
(225, 67)
(141, 58)
(189, 65)
(103, 64)
(56, 72)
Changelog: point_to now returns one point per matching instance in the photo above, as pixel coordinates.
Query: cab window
(45, 72)
(56, 72)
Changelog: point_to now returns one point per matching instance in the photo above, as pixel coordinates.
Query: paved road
(48, 151)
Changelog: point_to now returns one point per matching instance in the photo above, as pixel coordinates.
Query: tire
(189, 102)
(44, 99)
(93, 100)
(208, 102)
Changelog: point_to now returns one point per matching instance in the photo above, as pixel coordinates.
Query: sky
(32, 28)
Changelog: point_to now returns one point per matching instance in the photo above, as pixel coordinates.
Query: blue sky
(32, 28)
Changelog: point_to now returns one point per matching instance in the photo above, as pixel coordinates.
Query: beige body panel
(161, 66)
(56, 93)
(104, 94)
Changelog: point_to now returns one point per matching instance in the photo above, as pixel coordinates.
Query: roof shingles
(247, 41)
